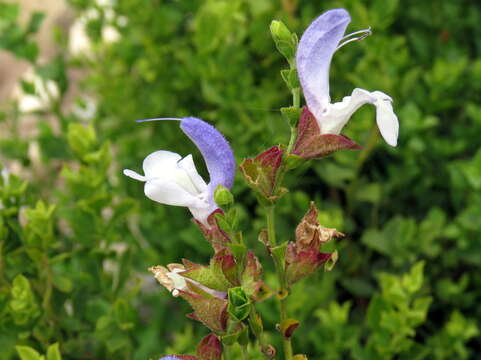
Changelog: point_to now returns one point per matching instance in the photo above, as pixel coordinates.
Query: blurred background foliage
(76, 237)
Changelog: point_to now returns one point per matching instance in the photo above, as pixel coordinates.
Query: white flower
(171, 180)
(317, 46)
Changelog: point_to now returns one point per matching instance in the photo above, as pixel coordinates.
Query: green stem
(226, 353)
(282, 292)
(292, 139)
(296, 97)
(271, 229)
(245, 354)
(286, 342)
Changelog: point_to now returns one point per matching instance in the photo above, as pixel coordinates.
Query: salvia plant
(224, 293)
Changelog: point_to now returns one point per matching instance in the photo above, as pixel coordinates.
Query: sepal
(210, 348)
(209, 310)
(310, 144)
(206, 275)
(239, 304)
(302, 257)
(269, 351)
(300, 264)
(224, 263)
(218, 238)
(288, 326)
(261, 172)
(251, 277)
(310, 234)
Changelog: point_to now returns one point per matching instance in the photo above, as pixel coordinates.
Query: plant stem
(226, 352)
(271, 230)
(282, 292)
(296, 97)
(245, 355)
(286, 342)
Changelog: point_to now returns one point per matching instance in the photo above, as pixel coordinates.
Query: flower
(197, 285)
(317, 46)
(173, 280)
(171, 180)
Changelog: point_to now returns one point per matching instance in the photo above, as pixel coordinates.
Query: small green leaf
(291, 114)
(53, 352)
(27, 353)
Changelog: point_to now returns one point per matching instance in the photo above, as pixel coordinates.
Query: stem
(286, 342)
(282, 292)
(292, 139)
(271, 229)
(245, 355)
(226, 353)
(296, 97)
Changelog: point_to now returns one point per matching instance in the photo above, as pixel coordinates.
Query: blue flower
(314, 54)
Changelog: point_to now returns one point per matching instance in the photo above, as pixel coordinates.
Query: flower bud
(239, 304)
(285, 41)
(222, 196)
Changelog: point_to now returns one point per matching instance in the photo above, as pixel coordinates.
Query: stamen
(349, 38)
(157, 119)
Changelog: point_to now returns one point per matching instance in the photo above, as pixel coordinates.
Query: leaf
(27, 353)
(53, 352)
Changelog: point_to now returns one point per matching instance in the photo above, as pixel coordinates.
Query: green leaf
(81, 139)
(53, 352)
(35, 22)
(413, 281)
(27, 353)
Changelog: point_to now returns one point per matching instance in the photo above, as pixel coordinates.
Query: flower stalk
(282, 292)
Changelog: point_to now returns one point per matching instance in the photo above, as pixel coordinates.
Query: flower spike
(171, 180)
(317, 46)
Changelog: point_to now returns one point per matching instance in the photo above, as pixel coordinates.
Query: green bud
(222, 196)
(239, 304)
(286, 42)
(280, 31)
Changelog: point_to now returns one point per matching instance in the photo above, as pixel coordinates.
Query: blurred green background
(77, 237)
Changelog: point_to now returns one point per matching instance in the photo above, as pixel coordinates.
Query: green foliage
(76, 237)
(16, 38)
